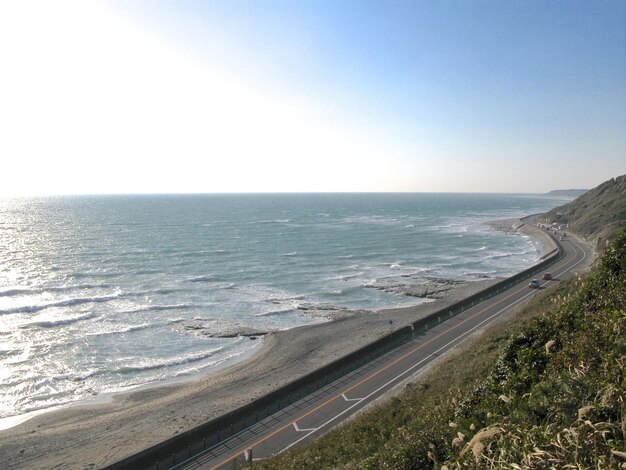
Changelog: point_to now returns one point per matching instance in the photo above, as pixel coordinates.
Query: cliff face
(597, 213)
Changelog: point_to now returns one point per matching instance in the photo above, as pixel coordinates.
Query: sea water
(102, 294)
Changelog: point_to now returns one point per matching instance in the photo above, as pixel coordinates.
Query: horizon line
(224, 193)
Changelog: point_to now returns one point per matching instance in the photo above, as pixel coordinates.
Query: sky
(188, 96)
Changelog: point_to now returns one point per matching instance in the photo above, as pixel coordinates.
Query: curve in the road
(292, 432)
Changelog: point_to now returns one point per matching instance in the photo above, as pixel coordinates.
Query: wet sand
(91, 435)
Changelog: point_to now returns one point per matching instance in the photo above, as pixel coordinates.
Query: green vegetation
(597, 213)
(546, 390)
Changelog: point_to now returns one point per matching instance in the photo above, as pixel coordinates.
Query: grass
(545, 390)
(597, 213)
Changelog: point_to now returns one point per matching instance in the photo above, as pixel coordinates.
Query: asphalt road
(320, 411)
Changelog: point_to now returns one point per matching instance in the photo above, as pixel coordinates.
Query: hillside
(545, 390)
(596, 213)
(556, 395)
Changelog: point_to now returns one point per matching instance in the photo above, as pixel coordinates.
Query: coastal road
(317, 413)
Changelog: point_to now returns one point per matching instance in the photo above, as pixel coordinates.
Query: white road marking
(486, 320)
(297, 428)
(312, 430)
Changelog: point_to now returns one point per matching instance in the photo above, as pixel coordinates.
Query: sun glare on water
(95, 104)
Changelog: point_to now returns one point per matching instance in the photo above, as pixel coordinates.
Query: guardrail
(176, 450)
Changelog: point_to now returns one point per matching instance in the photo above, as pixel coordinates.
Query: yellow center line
(362, 381)
(365, 379)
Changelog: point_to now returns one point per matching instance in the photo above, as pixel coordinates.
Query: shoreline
(95, 433)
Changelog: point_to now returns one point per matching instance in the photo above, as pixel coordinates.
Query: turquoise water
(100, 294)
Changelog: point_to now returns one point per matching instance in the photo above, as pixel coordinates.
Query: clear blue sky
(220, 96)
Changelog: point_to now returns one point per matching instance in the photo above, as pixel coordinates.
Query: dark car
(534, 284)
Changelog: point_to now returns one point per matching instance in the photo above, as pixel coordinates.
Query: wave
(282, 305)
(372, 255)
(371, 219)
(333, 292)
(80, 275)
(227, 286)
(177, 361)
(451, 228)
(125, 329)
(345, 277)
(481, 274)
(148, 271)
(17, 291)
(217, 361)
(278, 311)
(165, 291)
(157, 291)
(500, 255)
(222, 285)
(158, 308)
(14, 292)
(79, 377)
(272, 221)
(205, 278)
(61, 303)
(293, 253)
(9, 353)
(58, 322)
(194, 254)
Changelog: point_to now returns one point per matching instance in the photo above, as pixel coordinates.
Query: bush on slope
(547, 394)
(556, 396)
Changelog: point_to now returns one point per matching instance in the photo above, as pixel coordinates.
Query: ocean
(100, 294)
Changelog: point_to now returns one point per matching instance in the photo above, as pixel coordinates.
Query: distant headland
(567, 193)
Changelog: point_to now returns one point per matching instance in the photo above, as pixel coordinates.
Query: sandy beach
(92, 435)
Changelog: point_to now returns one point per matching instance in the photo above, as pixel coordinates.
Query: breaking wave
(58, 322)
(159, 364)
(61, 303)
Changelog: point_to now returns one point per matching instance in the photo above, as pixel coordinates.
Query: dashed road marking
(376, 373)
(297, 428)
